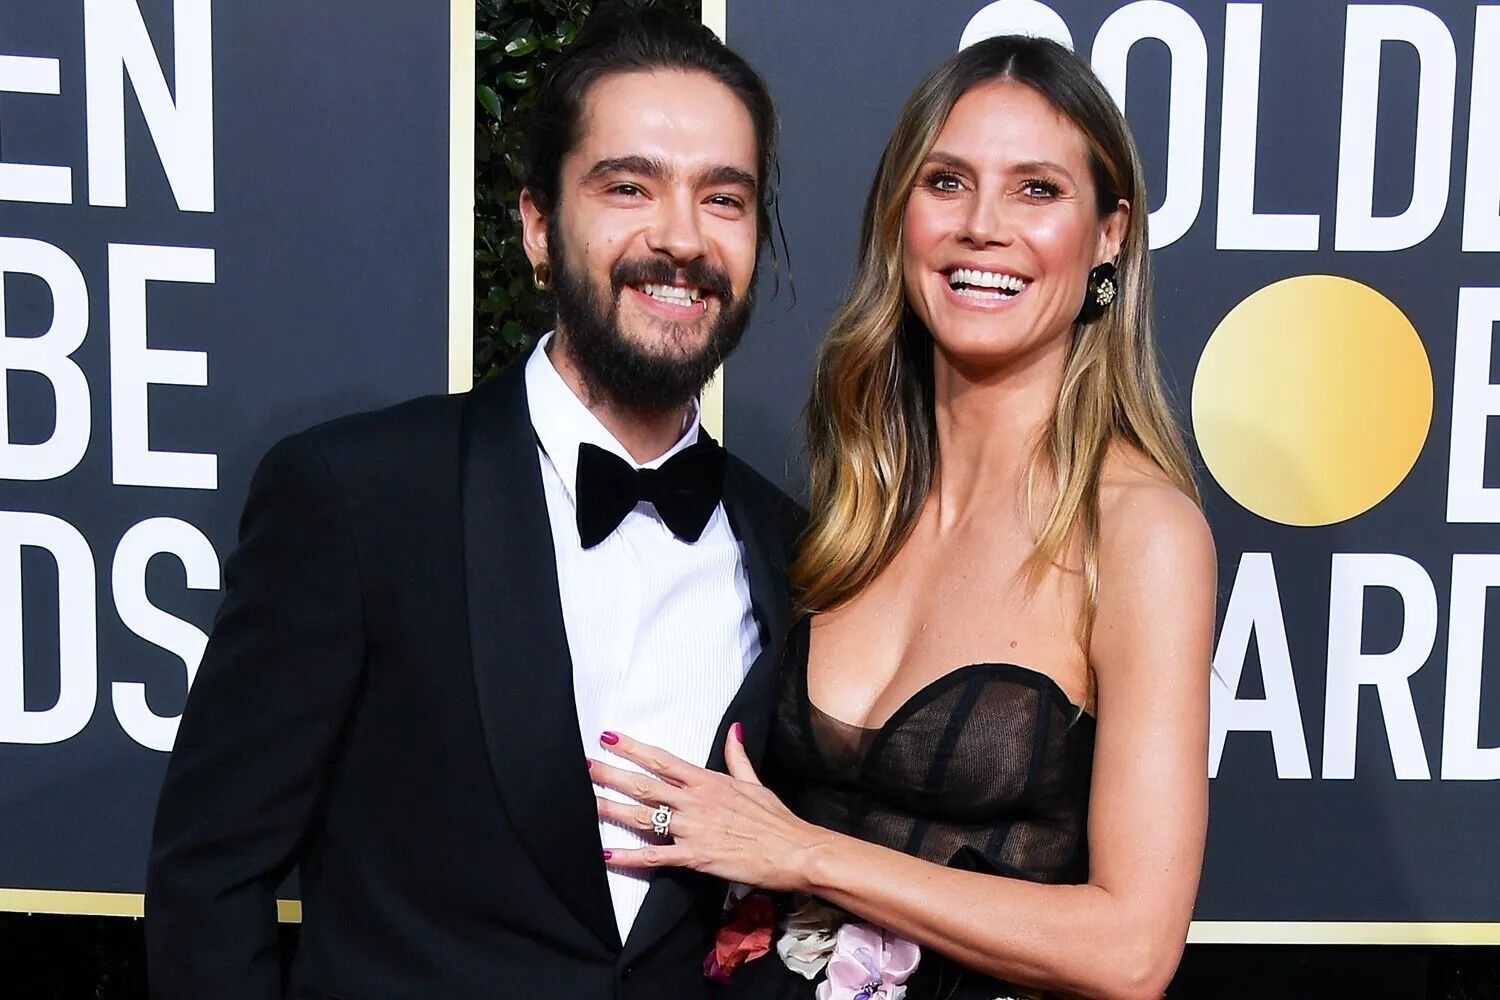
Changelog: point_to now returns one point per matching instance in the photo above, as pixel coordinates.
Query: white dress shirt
(661, 631)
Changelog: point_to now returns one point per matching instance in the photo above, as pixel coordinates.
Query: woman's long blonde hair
(870, 425)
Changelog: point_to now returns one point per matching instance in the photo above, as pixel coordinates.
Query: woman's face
(1003, 226)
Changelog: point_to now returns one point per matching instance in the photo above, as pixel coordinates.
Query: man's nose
(676, 231)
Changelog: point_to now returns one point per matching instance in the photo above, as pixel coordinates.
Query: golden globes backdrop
(1325, 213)
(219, 222)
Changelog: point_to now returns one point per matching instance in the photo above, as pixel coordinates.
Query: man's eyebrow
(644, 166)
(728, 175)
(658, 169)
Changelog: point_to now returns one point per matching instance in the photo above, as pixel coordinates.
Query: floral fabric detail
(861, 961)
(808, 937)
(868, 963)
(744, 937)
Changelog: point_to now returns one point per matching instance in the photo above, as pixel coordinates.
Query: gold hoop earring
(541, 276)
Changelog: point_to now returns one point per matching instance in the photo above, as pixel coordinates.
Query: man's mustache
(657, 271)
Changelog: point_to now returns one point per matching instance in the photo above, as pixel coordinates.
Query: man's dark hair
(616, 39)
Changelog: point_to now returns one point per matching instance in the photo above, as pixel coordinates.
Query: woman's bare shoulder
(1158, 574)
(1147, 521)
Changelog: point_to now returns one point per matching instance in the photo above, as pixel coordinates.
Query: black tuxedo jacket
(386, 700)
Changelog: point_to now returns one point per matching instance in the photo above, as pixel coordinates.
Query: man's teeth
(975, 283)
(674, 294)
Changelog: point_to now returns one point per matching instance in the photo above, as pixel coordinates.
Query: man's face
(653, 239)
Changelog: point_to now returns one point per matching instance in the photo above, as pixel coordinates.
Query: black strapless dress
(986, 768)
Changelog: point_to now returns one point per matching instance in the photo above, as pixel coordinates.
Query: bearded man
(435, 610)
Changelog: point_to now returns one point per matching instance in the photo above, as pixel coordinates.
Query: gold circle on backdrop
(1312, 400)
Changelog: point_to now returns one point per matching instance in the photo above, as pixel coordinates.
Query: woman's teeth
(990, 285)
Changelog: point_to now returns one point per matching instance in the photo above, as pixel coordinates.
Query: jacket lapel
(673, 891)
(522, 666)
(765, 567)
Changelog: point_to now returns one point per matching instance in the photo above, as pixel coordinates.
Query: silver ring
(661, 820)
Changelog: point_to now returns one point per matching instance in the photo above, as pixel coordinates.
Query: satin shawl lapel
(522, 666)
(673, 890)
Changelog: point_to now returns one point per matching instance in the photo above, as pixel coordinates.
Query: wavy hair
(872, 439)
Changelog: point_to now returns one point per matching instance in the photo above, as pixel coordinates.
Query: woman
(993, 724)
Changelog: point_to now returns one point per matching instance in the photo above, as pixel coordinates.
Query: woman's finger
(651, 856)
(644, 788)
(736, 759)
(625, 814)
(654, 759)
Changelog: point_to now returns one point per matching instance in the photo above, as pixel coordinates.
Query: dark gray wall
(331, 236)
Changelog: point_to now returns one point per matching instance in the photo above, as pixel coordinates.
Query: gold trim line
(461, 198)
(1341, 932)
(104, 904)
(123, 904)
(711, 404)
(716, 17)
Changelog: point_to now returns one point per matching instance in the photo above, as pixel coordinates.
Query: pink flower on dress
(868, 964)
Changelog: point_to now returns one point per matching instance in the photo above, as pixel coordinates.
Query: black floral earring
(1102, 289)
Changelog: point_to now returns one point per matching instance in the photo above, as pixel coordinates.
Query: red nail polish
(609, 739)
(739, 732)
(589, 763)
(608, 855)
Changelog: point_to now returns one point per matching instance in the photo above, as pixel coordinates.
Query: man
(436, 610)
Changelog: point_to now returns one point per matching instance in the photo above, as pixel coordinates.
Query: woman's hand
(726, 825)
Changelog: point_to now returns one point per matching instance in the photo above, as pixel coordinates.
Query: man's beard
(629, 375)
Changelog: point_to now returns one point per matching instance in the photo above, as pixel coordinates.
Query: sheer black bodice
(986, 768)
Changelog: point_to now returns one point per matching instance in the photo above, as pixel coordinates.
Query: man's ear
(533, 229)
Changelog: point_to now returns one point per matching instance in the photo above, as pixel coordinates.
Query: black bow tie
(684, 491)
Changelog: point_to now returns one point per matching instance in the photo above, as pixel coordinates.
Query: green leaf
(483, 40)
(522, 27)
(488, 98)
(519, 79)
(562, 37)
(518, 48)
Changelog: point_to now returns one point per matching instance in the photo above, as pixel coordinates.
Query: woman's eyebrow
(949, 160)
(1025, 166)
